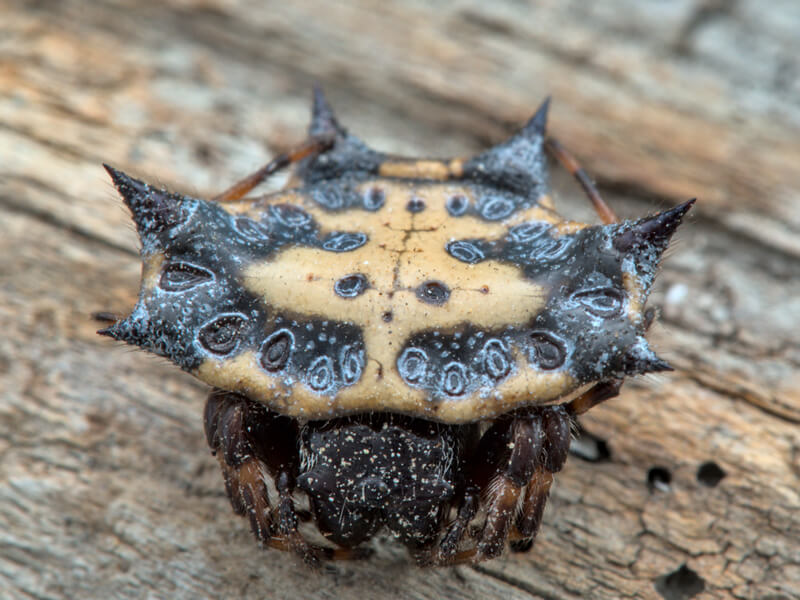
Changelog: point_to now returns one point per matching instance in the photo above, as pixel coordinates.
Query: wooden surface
(107, 489)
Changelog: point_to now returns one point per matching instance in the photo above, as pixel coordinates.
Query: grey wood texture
(107, 489)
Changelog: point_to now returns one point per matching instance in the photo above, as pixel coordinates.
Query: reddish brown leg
(570, 164)
(556, 425)
(531, 447)
(517, 442)
(557, 440)
(314, 145)
(529, 440)
(448, 547)
(483, 469)
(254, 445)
(599, 392)
(530, 517)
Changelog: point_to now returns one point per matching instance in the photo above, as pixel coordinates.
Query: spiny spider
(393, 343)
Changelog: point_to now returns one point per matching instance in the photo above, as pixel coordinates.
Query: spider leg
(570, 164)
(530, 516)
(599, 392)
(539, 444)
(313, 145)
(556, 423)
(448, 547)
(483, 468)
(498, 484)
(244, 474)
(254, 445)
(513, 488)
(528, 440)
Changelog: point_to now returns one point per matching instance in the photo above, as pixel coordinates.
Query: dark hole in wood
(681, 584)
(710, 473)
(590, 447)
(659, 478)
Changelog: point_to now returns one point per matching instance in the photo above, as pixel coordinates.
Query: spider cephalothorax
(395, 343)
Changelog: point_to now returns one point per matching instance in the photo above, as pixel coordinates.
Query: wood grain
(107, 489)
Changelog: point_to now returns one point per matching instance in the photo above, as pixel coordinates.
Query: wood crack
(524, 586)
(50, 219)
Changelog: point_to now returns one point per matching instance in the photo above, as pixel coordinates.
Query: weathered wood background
(107, 489)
